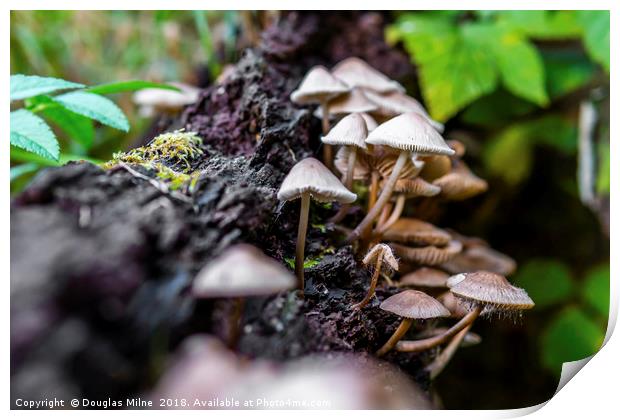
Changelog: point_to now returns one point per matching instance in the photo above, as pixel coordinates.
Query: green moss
(162, 154)
(310, 262)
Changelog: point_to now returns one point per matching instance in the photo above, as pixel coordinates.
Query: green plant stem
(301, 239)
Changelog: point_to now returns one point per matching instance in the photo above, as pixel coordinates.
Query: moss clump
(168, 155)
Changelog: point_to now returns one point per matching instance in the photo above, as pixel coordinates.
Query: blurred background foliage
(526, 91)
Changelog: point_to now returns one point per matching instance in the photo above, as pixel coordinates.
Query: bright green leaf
(23, 86)
(542, 24)
(547, 282)
(128, 86)
(31, 133)
(596, 35)
(77, 127)
(566, 71)
(603, 179)
(19, 155)
(596, 289)
(509, 155)
(95, 107)
(22, 169)
(570, 336)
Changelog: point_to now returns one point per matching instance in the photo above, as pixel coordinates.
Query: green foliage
(548, 282)
(128, 86)
(31, 133)
(596, 290)
(571, 335)
(464, 56)
(94, 107)
(23, 87)
(603, 179)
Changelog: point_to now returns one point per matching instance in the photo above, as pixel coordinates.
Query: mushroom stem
(396, 212)
(440, 362)
(366, 224)
(374, 187)
(301, 239)
(235, 321)
(348, 182)
(328, 151)
(404, 326)
(428, 343)
(373, 283)
(385, 213)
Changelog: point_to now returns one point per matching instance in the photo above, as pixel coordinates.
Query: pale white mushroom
(153, 100)
(355, 72)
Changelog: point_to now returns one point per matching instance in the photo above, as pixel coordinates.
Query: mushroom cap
(415, 305)
(353, 101)
(457, 146)
(460, 184)
(424, 277)
(385, 162)
(384, 252)
(371, 123)
(166, 98)
(362, 167)
(416, 187)
(456, 306)
(428, 255)
(393, 104)
(416, 231)
(493, 289)
(435, 166)
(310, 175)
(410, 132)
(350, 131)
(318, 86)
(242, 270)
(355, 72)
(481, 257)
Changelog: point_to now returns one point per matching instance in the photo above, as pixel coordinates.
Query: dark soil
(101, 260)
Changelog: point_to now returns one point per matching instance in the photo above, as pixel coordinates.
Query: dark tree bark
(101, 260)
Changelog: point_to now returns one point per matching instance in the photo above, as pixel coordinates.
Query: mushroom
(425, 277)
(461, 183)
(318, 87)
(480, 291)
(395, 103)
(355, 72)
(310, 179)
(428, 255)
(407, 133)
(415, 231)
(470, 339)
(371, 124)
(152, 100)
(480, 257)
(379, 254)
(410, 304)
(435, 166)
(353, 101)
(458, 147)
(241, 271)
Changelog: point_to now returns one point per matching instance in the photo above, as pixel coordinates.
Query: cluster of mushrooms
(391, 149)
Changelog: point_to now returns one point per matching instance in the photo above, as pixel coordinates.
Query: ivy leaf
(596, 35)
(570, 336)
(596, 290)
(128, 86)
(547, 282)
(23, 86)
(31, 133)
(95, 107)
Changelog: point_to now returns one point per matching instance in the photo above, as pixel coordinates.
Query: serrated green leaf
(566, 71)
(570, 336)
(128, 86)
(95, 107)
(31, 133)
(509, 155)
(596, 35)
(596, 289)
(548, 282)
(23, 86)
(77, 127)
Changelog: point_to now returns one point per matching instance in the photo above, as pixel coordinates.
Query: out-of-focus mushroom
(241, 271)
(355, 72)
(418, 232)
(435, 166)
(407, 133)
(425, 277)
(454, 305)
(154, 100)
(354, 101)
(371, 124)
(427, 255)
(480, 257)
(470, 339)
(379, 255)
(310, 179)
(458, 147)
(410, 304)
(393, 104)
(460, 184)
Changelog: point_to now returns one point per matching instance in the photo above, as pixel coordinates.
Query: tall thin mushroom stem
(373, 283)
(428, 343)
(348, 182)
(366, 224)
(396, 212)
(402, 329)
(328, 151)
(301, 239)
(235, 321)
(374, 188)
(440, 362)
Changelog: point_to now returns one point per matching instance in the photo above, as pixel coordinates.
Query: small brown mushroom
(410, 304)
(460, 184)
(427, 255)
(425, 277)
(407, 133)
(480, 257)
(355, 72)
(310, 179)
(415, 231)
(379, 255)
